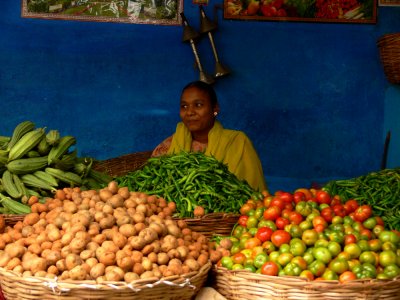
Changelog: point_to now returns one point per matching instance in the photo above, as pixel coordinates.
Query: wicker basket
(124, 164)
(389, 48)
(213, 223)
(242, 284)
(11, 220)
(183, 287)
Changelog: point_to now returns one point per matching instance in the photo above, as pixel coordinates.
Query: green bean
(380, 190)
(190, 179)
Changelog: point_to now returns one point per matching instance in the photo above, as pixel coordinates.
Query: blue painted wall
(312, 96)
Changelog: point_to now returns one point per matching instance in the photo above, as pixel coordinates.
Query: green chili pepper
(190, 179)
(380, 190)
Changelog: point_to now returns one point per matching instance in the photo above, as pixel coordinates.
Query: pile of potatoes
(110, 234)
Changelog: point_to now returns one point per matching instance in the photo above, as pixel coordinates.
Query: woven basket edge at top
(123, 164)
(388, 36)
(297, 282)
(192, 281)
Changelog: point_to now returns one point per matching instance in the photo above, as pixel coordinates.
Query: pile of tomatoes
(311, 234)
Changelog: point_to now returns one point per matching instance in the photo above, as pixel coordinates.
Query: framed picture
(159, 12)
(328, 11)
(389, 2)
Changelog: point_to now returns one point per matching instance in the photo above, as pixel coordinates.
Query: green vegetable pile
(190, 180)
(380, 190)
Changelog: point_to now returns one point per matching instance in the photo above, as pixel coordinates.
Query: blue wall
(312, 96)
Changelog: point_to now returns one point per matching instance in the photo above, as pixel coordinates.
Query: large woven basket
(389, 49)
(242, 284)
(11, 220)
(182, 287)
(124, 164)
(213, 224)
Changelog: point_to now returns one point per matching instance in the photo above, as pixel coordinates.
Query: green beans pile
(380, 190)
(190, 180)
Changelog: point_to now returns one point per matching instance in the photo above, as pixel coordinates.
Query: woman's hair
(205, 87)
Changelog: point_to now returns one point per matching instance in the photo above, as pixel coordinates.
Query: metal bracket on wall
(191, 36)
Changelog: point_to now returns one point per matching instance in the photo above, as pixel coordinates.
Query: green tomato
(308, 257)
(317, 267)
(297, 247)
(334, 248)
(260, 259)
(322, 254)
(389, 236)
(249, 267)
(329, 275)
(227, 262)
(237, 267)
(267, 223)
(252, 222)
(292, 269)
(391, 271)
(259, 212)
(284, 248)
(339, 265)
(370, 223)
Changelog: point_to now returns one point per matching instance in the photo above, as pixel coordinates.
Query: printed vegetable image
(380, 190)
(319, 9)
(190, 180)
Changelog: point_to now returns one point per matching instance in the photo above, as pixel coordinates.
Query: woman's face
(196, 111)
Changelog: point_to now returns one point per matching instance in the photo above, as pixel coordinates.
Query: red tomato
(350, 239)
(264, 234)
(347, 276)
(289, 206)
(339, 210)
(270, 268)
(336, 200)
(286, 213)
(281, 222)
(365, 234)
(362, 213)
(350, 205)
(286, 197)
(319, 220)
(319, 228)
(299, 196)
(295, 217)
(251, 243)
(327, 214)
(277, 201)
(272, 213)
(379, 221)
(322, 197)
(280, 237)
(243, 220)
(238, 258)
(306, 192)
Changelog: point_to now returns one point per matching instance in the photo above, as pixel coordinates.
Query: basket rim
(211, 216)
(284, 280)
(55, 285)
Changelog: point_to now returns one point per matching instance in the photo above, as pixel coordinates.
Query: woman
(200, 131)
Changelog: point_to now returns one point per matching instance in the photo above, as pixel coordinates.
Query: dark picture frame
(326, 11)
(157, 12)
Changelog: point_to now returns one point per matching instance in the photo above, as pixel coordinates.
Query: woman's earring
(215, 113)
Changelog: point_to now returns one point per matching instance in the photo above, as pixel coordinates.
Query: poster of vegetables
(161, 12)
(334, 11)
